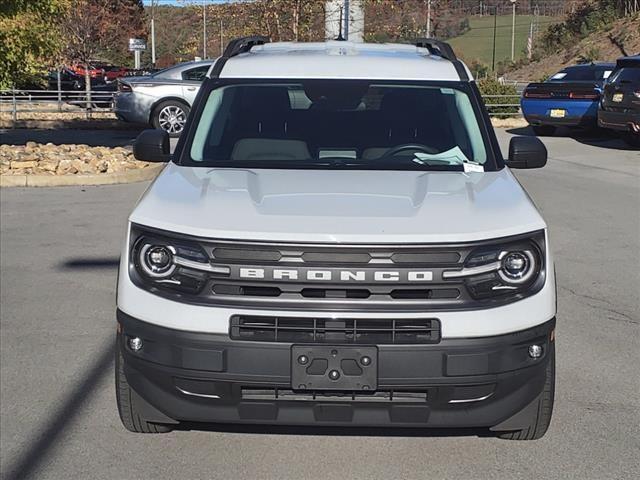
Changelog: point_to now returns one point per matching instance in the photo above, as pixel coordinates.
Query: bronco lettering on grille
(335, 275)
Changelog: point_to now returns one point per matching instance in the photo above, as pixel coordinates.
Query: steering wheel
(407, 147)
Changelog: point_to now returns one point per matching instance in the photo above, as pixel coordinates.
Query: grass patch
(477, 43)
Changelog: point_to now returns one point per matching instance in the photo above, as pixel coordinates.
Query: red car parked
(94, 72)
(112, 72)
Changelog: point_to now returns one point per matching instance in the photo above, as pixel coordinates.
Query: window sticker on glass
(606, 74)
(559, 76)
(453, 156)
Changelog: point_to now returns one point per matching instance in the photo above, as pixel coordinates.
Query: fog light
(535, 351)
(135, 344)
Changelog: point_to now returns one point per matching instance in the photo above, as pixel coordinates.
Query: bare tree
(83, 29)
(92, 27)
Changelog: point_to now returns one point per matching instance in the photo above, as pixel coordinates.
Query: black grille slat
(329, 330)
(417, 258)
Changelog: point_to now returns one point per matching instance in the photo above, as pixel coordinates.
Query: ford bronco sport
(337, 240)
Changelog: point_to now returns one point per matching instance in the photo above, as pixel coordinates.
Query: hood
(337, 205)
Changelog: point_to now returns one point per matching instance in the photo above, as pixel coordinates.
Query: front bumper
(204, 377)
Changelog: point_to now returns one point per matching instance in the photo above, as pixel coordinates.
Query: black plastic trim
(239, 381)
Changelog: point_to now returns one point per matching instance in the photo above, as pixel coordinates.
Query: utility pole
(153, 33)
(221, 39)
(204, 29)
(530, 42)
(429, 19)
(346, 19)
(513, 31)
(495, 27)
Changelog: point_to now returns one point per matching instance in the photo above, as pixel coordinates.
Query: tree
(30, 38)
(93, 28)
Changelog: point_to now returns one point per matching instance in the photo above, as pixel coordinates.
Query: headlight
(158, 262)
(517, 267)
(512, 269)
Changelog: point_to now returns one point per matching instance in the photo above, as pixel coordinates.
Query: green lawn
(477, 43)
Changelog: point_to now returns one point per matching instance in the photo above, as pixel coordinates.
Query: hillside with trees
(601, 30)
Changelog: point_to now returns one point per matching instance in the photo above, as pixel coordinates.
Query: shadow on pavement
(90, 263)
(45, 440)
(62, 136)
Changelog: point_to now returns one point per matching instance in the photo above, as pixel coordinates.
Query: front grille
(329, 330)
(380, 396)
(326, 277)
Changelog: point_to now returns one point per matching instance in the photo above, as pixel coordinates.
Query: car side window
(197, 74)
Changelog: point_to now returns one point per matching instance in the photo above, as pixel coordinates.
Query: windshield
(627, 74)
(339, 124)
(583, 74)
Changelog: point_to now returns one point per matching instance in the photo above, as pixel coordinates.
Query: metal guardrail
(493, 102)
(55, 101)
(77, 101)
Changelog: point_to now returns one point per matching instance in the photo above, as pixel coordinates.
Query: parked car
(69, 80)
(620, 103)
(337, 241)
(568, 98)
(112, 72)
(162, 100)
(94, 71)
(74, 87)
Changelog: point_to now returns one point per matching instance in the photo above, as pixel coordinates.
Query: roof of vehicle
(339, 59)
(632, 61)
(590, 65)
(175, 71)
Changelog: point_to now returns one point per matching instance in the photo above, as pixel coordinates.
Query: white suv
(337, 240)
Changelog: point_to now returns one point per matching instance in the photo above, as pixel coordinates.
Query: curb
(509, 123)
(132, 176)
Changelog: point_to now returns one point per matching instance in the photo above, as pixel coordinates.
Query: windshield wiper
(337, 163)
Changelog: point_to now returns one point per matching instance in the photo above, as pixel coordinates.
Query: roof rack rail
(243, 45)
(437, 47)
(443, 50)
(236, 47)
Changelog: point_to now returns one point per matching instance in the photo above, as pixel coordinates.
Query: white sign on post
(137, 44)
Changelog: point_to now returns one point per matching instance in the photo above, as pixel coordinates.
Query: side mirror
(527, 152)
(152, 146)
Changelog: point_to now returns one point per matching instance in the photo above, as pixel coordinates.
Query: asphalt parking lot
(59, 251)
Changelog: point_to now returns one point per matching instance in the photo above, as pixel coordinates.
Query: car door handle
(191, 89)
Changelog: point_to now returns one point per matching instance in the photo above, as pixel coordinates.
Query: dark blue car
(568, 98)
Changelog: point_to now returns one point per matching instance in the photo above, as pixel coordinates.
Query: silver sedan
(162, 100)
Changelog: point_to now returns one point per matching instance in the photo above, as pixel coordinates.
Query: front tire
(129, 415)
(541, 416)
(170, 116)
(544, 130)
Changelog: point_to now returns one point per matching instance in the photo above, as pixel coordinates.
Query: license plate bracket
(334, 368)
